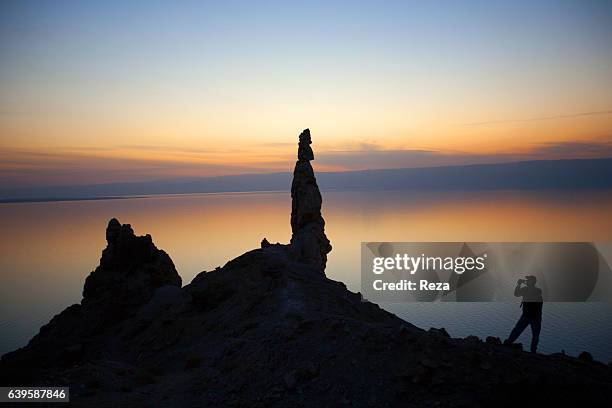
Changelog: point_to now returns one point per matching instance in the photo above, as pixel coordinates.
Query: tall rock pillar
(308, 241)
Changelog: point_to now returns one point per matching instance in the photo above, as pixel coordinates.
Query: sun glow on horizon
(130, 92)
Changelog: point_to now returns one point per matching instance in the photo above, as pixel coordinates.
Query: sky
(119, 91)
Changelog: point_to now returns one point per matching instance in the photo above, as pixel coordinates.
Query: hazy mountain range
(527, 175)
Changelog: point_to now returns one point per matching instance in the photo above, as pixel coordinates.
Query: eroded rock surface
(130, 270)
(308, 240)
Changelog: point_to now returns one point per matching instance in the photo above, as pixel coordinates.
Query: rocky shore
(270, 329)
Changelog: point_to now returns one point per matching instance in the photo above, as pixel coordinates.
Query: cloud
(385, 159)
(575, 149)
(374, 157)
(159, 148)
(534, 119)
(20, 167)
(275, 144)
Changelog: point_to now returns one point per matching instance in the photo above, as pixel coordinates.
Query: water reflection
(49, 248)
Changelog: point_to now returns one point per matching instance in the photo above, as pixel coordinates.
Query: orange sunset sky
(154, 90)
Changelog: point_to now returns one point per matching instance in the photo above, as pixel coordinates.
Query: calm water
(47, 249)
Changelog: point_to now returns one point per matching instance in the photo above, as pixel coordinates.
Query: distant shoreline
(128, 197)
(221, 193)
(59, 199)
(538, 175)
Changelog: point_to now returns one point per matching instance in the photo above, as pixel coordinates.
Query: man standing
(532, 311)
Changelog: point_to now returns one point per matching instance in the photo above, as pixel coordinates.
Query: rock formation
(308, 240)
(130, 270)
(264, 331)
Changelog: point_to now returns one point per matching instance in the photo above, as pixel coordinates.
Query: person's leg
(518, 329)
(536, 325)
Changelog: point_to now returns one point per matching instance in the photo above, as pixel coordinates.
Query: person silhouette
(532, 311)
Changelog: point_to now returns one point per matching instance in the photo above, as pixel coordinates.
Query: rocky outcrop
(308, 240)
(130, 270)
(264, 331)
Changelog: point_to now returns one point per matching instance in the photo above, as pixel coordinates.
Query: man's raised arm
(518, 290)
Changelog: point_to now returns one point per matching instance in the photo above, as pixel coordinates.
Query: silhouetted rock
(441, 331)
(112, 231)
(472, 339)
(493, 340)
(308, 240)
(585, 356)
(267, 329)
(305, 152)
(130, 269)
